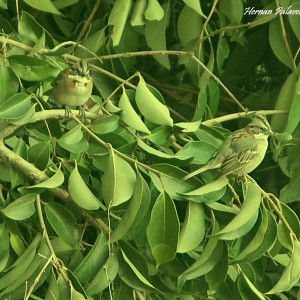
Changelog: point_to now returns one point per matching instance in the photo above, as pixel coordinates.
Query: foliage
(94, 206)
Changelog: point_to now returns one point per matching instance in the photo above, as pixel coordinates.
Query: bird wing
(238, 151)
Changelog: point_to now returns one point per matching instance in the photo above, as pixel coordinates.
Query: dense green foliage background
(95, 207)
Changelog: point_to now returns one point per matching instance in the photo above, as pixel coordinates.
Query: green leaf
(294, 19)
(137, 16)
(163, 157)
(80, 192)
(74, 140)
(247, 289)
(233, 9)
(193, 229)
(104, 277)
(32, 33)
(245, 217)
(93, 261)
(195, 5)
(20, 209)
(291, 273)
(43, 5)
(135, 211)
(286, 97)
(63, 223)
(73, 136)
(163, 229)
(105, 124)
(155, 34)
(262, 241)
(15, 107)
(278, 44)
(32, 68)
(3, 4)
(9, 82)
(189, 25)
(294, 110)
(117, 188)
(283, 233)
(209, 192)
(136, 262)
(170, 180)
(161, 135)
(207, 260)
(154, 11)
(55, 181)
(21, 264)
(118, 17)
(129, 115)
(4, 240)
(201, 151)
(150, 107)
(25, 118)
(188, 126)
(39, 155)
(27, 278)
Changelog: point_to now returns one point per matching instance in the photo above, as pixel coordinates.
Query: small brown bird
(242, 151)
(73, 86)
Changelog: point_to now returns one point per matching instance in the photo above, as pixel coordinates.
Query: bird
(73, 86)
(242, 151)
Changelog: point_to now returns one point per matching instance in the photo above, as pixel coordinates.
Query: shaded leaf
(92, 263)
(63, 223)
(136, 262)
(104, 277)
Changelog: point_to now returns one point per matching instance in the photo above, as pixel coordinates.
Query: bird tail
(198, 171)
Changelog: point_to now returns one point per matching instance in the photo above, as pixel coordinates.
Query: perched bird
(242, 151)
(73, 86)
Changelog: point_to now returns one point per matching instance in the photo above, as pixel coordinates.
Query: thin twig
(286, 43)
(88, 21)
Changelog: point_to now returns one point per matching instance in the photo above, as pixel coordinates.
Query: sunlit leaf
(193, 228)
(20, 209)
(150, 106)
(163, 229)
(116, 187)
(80, 192)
